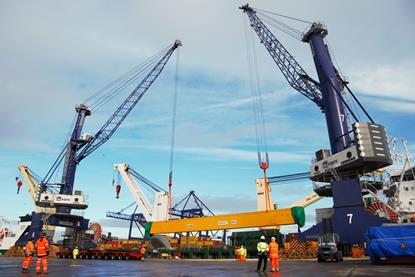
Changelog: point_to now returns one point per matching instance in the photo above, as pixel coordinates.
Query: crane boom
(88, 145)
(327, 95)
(30, 181)
(290, 68)
(138, 195)
(112, 124)
(306, 201)
(33, 188)
(156, 212)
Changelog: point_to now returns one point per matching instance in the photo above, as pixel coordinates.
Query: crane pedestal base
(350, 219)
(38, 219)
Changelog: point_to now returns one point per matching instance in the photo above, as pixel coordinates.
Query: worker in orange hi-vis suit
(273, 255)
(236, 253)
(28, 255)
(42, 252)
(142, 253)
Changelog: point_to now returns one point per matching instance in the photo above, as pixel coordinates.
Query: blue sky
(55, 54)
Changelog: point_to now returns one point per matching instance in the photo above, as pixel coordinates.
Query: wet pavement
(63, 267)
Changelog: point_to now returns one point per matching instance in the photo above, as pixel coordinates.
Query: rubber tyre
(373, 258)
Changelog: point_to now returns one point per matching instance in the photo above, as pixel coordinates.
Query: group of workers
(240, 254)
(41, 249)
(265, 251)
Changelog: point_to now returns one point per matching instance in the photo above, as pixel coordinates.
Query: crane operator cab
(50, 199)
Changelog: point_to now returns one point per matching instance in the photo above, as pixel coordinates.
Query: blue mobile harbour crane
(61, 196)
(355, 150)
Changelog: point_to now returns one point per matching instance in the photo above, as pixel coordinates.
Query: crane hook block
(117, 190)
(263, 165)
(19, 184)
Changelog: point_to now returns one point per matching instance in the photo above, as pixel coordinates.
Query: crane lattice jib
(146, 181)
(292, 71)
(108, 129)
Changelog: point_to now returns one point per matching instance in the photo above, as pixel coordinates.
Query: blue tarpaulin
(391, 241)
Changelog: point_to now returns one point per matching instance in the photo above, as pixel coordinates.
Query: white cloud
(395, 106)
(394, 81)
(219, 153)
(236, 154)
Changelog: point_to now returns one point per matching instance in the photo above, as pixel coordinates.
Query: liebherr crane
(366, 151)
(156, 212)
(80, 146)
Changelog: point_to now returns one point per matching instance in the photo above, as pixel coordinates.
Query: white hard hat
(262, 237)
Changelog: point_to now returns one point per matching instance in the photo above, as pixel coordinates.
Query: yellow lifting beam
(287, 216)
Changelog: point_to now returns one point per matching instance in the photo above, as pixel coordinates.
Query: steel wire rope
(258, 112)
(358, 102)
(348, 99)
(147, 182)
(115, 87)
(282, 15)
(354, 106)
(261, 110)
(114, 91)
(64, 146)
(282, 26)
(173, 129)
(252, 87)
(52, 172)
(123, 209)
(119, 79)
(258, 103)
(282, 29)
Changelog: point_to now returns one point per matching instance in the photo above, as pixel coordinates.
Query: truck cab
(328, 248)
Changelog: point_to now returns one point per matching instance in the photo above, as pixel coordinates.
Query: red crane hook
(117, 191)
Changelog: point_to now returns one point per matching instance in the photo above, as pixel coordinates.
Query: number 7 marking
(350, 218)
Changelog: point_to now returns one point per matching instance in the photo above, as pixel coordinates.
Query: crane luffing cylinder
(288, 216)
(330, 86)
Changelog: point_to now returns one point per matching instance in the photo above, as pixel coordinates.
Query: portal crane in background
(194, 220)
(146, 212)
(303, 202)
(61, 195)
(349, 157)
(158, 211)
